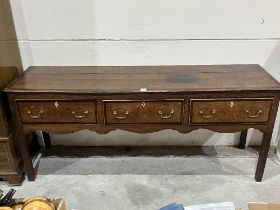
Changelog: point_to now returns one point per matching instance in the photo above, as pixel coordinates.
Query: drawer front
(230, 111)
(121, 112)
(51, 111)
(4, 159)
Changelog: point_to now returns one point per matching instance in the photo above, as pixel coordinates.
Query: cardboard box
(263, 206)
(59, 204)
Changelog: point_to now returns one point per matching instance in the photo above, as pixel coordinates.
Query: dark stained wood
(263, 156)
(154, 78)
(22, 144)
(144, 100)
(136, 128)
(47, 140)
(10, 162)
(7, 75)
(28, 165)
(5, 162)
(13, 178)
(10, 66)
(243, 138)
(266, 140)
(230, 111)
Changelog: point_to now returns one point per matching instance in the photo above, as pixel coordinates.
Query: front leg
(22, 141)
(263, 156)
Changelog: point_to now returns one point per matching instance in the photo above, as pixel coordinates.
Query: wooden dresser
(222, 98)
(10, 169)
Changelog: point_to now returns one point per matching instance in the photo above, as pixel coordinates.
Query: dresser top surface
(134, 79)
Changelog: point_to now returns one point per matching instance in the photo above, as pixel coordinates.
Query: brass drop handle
(164, 115)
(80, 115)
(259, 112)
(115, 113)
(209, 115)
(35, 115)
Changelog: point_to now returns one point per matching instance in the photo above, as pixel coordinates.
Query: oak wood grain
(119, 112)
(143, 100)
(131, 79)
(57, 111)
(231, 111)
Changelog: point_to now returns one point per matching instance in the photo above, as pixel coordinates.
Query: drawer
(51, 111)
(167, 111)
(205, 111)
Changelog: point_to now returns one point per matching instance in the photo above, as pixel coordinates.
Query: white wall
(150, 32)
